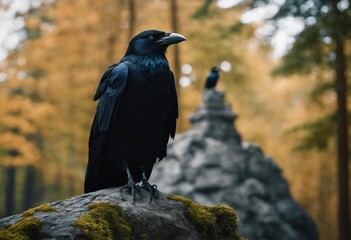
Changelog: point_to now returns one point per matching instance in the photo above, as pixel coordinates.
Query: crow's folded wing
(110, 91)
(173, 109)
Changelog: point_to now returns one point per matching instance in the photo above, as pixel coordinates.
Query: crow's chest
(150, 92)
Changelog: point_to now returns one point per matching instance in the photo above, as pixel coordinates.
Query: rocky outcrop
(104, 215)
(212, 165)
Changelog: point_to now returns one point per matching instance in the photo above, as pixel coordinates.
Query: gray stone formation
(212, 165)
(115, 218)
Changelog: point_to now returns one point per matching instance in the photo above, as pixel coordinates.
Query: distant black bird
(135, 117)
(212, 78)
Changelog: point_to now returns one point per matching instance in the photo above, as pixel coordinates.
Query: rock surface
(211, 165)
(104, 215)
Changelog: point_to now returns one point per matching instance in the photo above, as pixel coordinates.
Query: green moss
(104, 221)
(227, 220)
(219, 222)
(41, 208)
(143, 237)
(28, 227)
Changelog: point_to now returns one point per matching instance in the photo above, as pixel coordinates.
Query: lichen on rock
(103, 221)
(104, 215)
(28, 227)
(40, 208)
(218, 222)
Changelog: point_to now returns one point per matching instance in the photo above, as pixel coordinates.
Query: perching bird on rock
(212, 78)
(135, 117)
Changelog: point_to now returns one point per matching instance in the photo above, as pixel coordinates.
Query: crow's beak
(171, 38)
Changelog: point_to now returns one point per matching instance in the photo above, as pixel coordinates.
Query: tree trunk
(342, 133)
(30, 190)
(176, 53)
(10, 191)
(57, 189)
(326, 189)
(131, 7)
(343, 151)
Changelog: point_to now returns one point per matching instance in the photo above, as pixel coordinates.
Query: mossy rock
(104, 221)
(218, 222)
(104, 215)
(28, 227)
(41, 208)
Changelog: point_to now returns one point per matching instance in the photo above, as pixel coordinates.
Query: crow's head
(215, 69)
(152, 42)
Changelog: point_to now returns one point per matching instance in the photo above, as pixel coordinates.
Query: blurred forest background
(286, 104)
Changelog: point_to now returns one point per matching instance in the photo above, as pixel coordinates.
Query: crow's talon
(131, 187)
(152, 189)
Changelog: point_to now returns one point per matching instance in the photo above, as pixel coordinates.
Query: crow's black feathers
(136, 114)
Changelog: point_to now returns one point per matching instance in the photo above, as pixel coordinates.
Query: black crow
(212, 78)
(135, 117)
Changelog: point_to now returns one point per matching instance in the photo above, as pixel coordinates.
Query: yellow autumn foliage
(21, 151)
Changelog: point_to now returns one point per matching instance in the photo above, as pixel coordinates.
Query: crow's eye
(151, 37)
